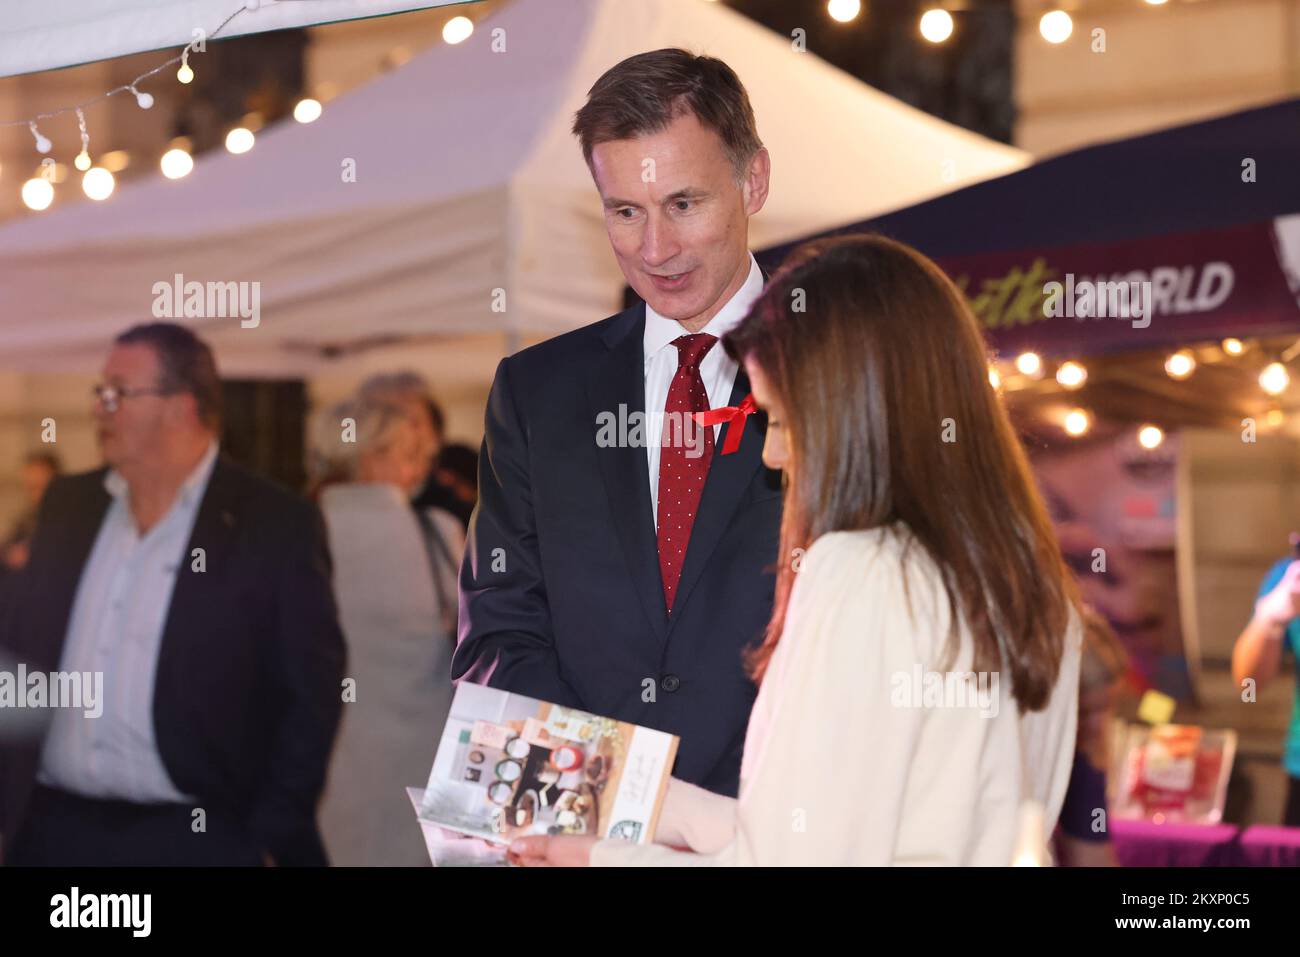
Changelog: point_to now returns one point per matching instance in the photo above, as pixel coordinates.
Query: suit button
(671, 683)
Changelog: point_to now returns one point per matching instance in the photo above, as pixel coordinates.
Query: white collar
(193, 485)
(660, 331)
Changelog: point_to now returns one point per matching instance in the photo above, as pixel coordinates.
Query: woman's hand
(560, 851)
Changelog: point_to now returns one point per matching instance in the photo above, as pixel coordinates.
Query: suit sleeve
(309, 660)
(506, 638)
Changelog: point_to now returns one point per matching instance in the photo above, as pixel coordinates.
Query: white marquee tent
(467, 180)
(51, 34)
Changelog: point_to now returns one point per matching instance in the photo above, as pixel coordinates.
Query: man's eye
(683, 204)
(626, 209)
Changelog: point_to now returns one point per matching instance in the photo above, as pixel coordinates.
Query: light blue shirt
(116, 627)
(1291, 750)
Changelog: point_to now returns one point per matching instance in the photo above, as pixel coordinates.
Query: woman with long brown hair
(919, 674)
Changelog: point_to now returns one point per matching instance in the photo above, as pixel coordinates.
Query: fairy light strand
(31, 121)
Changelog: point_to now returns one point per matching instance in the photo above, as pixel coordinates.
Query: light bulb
(82, 162)
(176, 163)
(1029, 364)
(1077, 422)
(98, 184)
(239, 140)
(1150, 436)
(1180, 365)
(1234, 347)
(1274, 379)
(185, 74)
(307, 110)
(38, 193)
(1056, 26)
(936, 25)
(844, 10)
(1071, 375)
(457, 29)
(145, 100)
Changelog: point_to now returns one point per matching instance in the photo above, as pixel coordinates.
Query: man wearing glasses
(202, 595)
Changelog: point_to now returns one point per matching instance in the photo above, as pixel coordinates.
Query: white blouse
(856, 753)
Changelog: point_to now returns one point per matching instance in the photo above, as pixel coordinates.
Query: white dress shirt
(717, 369)
(116, 627)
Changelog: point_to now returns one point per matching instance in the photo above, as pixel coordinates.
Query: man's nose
(658, 243)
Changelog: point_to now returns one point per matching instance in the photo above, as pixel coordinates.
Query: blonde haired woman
(395, 582)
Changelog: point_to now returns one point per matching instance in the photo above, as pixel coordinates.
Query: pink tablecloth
(1142, 844)
(1269, 847)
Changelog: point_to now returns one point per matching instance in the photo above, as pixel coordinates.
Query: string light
(1233, 347)
(176, 163)
(38, 193)
(82, 162)
(844, 10)
(995, 380)
(1150, 436)
(1180, 365)
(1077, 422)
(98, 184)
(307, 110)
(1071, 375)
(42, 141)
(1274, 379)
(457, 29)
(1029, 363)
(240, 140)
(936, 25)
(1056, 26)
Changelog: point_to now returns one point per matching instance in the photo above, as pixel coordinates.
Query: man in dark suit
(620, 557)
(201, 594)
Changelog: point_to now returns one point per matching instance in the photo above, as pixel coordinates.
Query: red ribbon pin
(735, 415)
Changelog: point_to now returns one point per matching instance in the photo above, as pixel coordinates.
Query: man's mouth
(670, 282)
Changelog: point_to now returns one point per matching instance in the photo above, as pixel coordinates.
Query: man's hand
(560, 851)
(1282, 603)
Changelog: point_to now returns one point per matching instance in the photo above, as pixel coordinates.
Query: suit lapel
(215, 528)
(619, 381)
(729, 476)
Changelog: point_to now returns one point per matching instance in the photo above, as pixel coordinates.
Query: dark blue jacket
(247, 695)
(561, 596)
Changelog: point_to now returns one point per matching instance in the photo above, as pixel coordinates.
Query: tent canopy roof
(1183, 179)
(468, 185)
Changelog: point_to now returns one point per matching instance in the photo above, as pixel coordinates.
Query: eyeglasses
(111, 396)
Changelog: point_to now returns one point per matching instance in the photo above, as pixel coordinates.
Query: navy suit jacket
(248, 692)
(560, 592)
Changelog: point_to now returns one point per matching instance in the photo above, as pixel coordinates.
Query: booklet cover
(509, 765)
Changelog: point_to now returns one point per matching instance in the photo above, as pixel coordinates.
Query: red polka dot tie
(682, 466)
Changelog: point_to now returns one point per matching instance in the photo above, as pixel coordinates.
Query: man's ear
(188, 409)
(756, 181)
